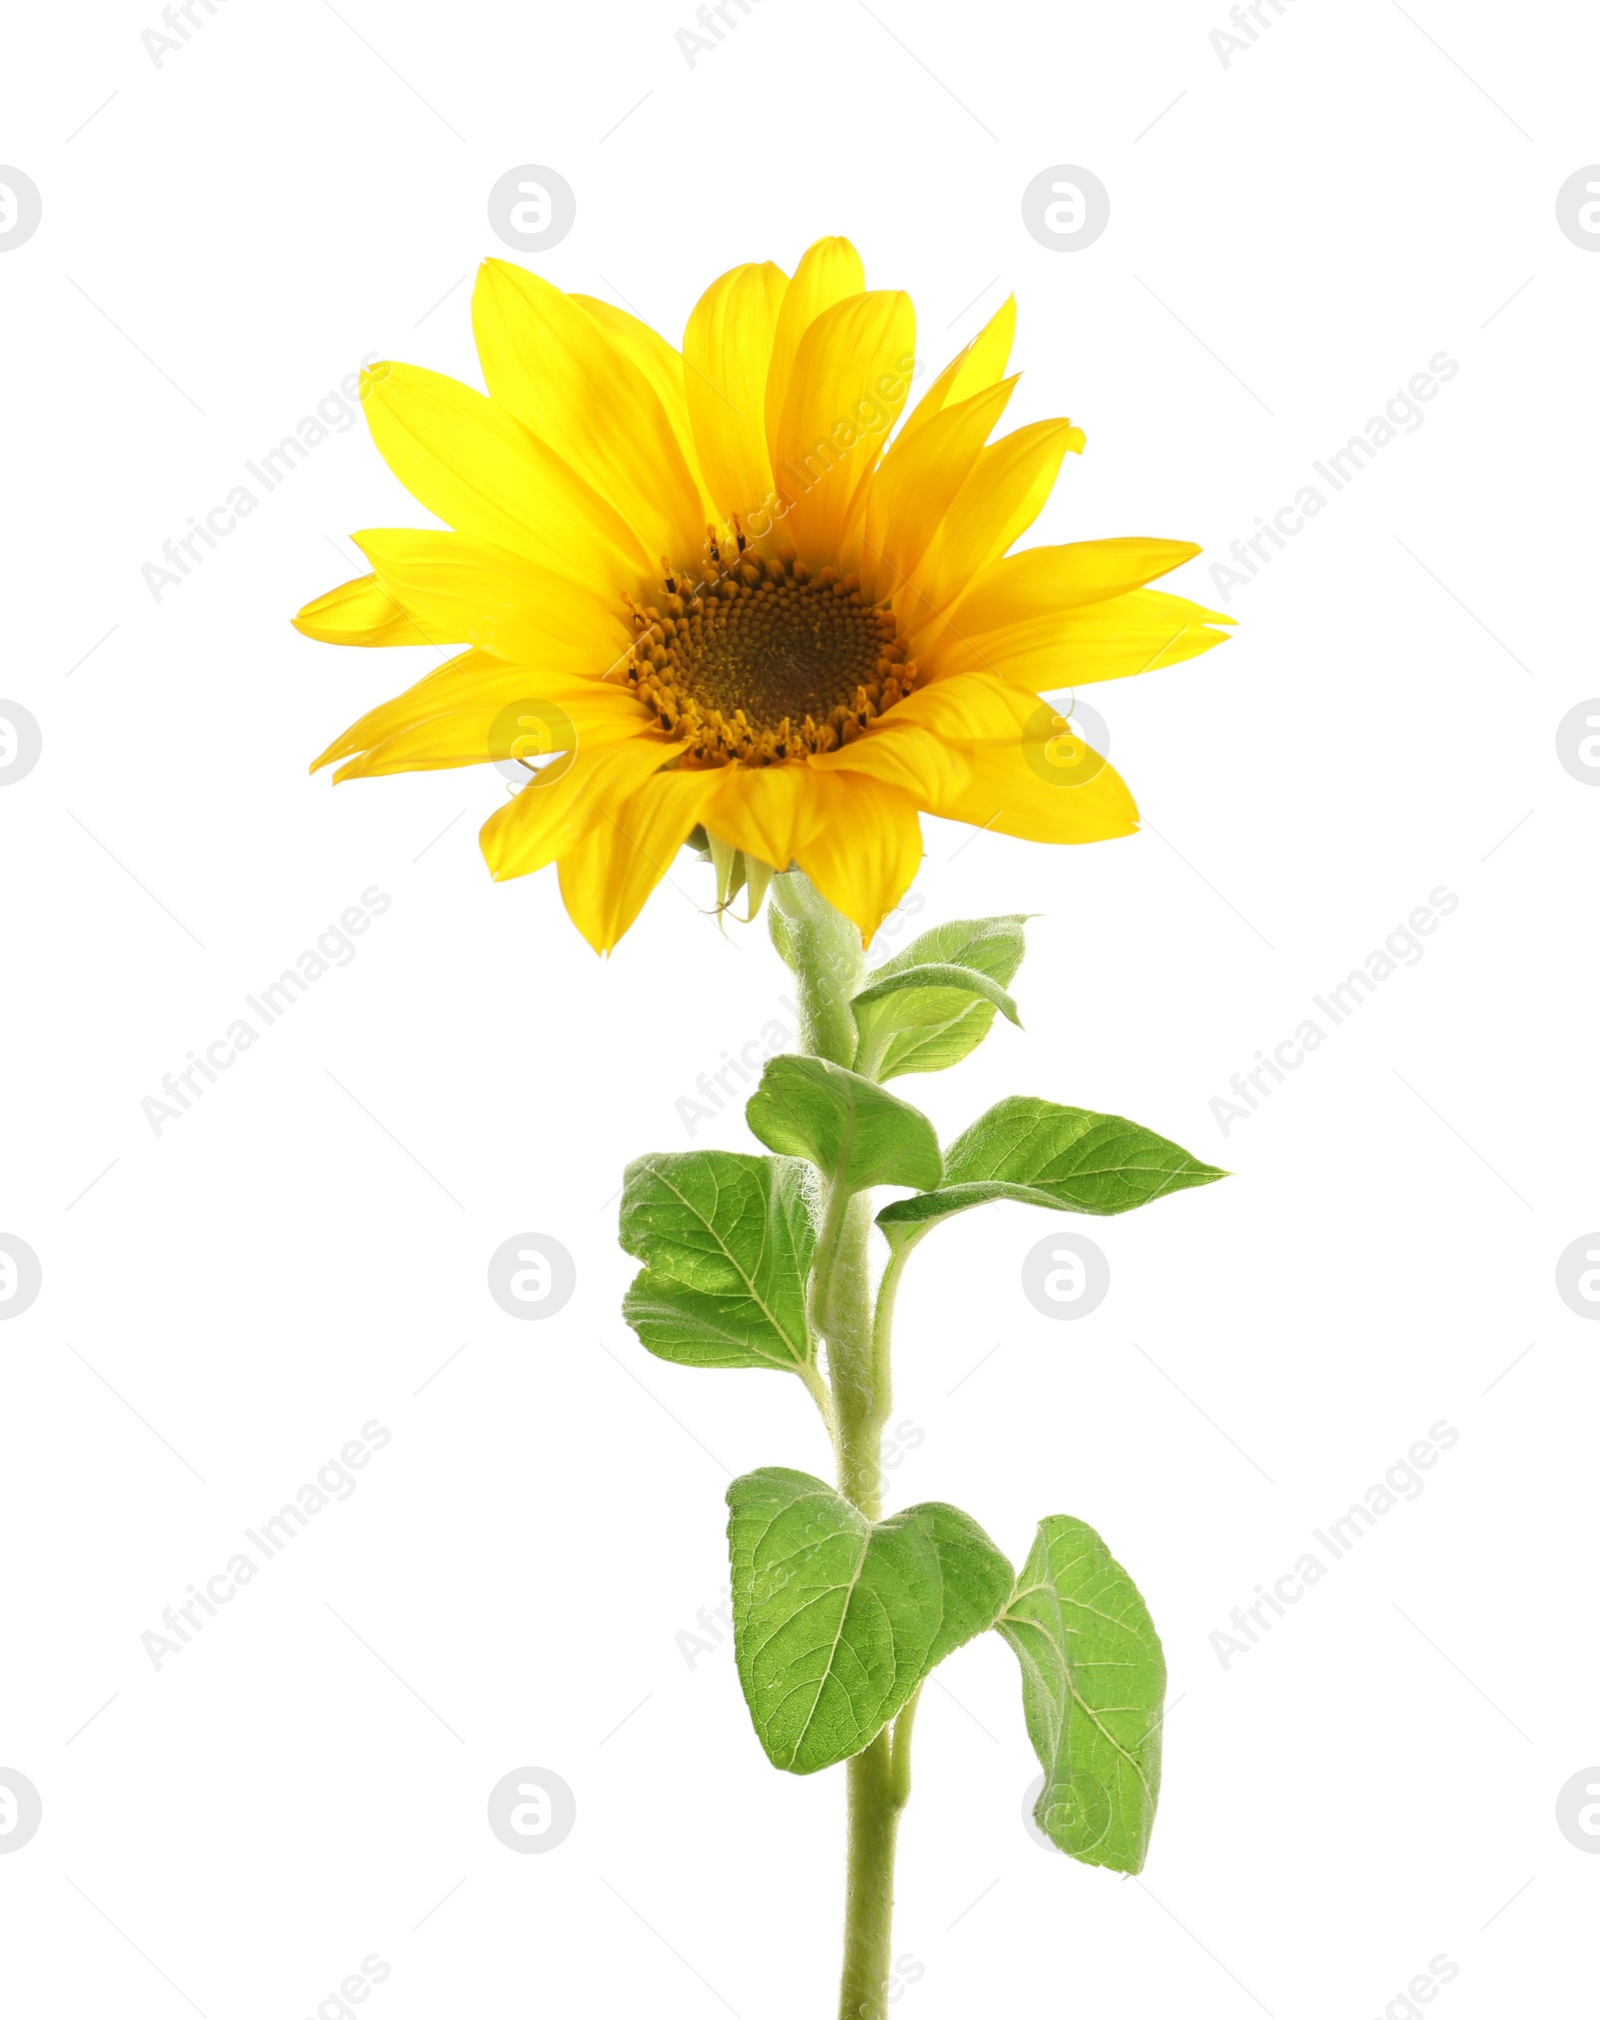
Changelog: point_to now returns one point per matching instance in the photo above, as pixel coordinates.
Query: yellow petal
(968, 707)
(1110, 640)
(984, 361)
(475, 678)
(900, 752)
(360, 613)
(469, 592)
(661, 367)
(866, 850)
(417, 702)
(1027, 787)
(549, 815)
(491, 729)
(606, 877)
(726, 348)
(1000, 500)
(767, 811)
(851, 373)
(476, 466)
(917, 484)
(828, 271)
(586, 401)
(1042, 581)
(981, 365)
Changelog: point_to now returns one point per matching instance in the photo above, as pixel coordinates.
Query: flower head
(738, 594)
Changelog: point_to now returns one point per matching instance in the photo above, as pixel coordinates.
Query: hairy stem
(824, 951)
(880, 1786)
(860, 1407)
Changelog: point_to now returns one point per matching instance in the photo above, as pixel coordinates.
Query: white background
(1296, 235)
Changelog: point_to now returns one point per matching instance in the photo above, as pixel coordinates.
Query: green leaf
(836, 1620)
(844, 1124)
(931, 996)
(1045, 1155)
(1093, 1678)
(726, 1240)
(992, 948)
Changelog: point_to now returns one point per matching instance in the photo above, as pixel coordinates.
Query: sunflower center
(753, 658)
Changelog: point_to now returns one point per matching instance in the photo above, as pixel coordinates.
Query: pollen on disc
(754, 658)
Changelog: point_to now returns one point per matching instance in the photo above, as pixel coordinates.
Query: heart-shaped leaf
(726, 1240)
(1045, 1155)
(1093, 1678)
(847, 1126)
(836, 1620)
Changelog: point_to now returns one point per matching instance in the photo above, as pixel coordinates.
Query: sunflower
(731, 596)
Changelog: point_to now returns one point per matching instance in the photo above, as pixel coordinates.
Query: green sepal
(726, 1240)
(992, 948)
(847, 1126)
(1045, 1155)
(738, 872)
(1093, 1680)
(837, 1620)
(730, 868)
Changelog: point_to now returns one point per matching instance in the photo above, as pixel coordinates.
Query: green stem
(844, 1310)
(901, 1752)
(824, 951)
(880, 1786)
